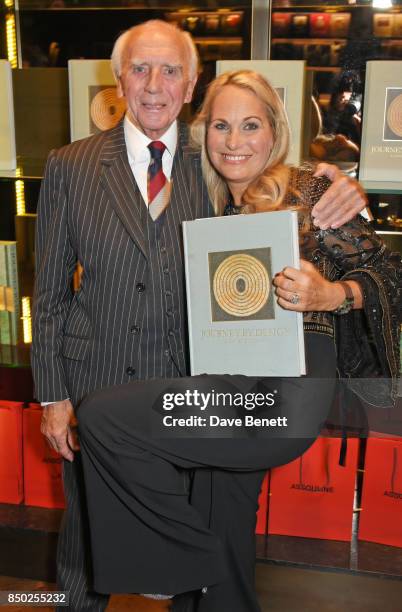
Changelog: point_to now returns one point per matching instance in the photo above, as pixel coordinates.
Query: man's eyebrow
(178, 66)
(139, 62)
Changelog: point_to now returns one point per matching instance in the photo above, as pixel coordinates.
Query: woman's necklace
(231, 209)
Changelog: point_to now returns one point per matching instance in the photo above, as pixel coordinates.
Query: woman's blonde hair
(268, 190)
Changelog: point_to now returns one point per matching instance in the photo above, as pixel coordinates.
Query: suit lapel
(187, 182)
(117, 179)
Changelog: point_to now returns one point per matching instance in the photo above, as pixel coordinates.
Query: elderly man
(115, 202)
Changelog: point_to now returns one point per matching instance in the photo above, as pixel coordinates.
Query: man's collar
(137, 142)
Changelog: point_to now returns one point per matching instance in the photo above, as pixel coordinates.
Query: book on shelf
(320, 24)
(299, 27)
(288, 78)
(41, 111)
(9, 293)
(235, 323)
(383, 25)
(94, 103)
(381, 148)
(339, 25)
(8, 159)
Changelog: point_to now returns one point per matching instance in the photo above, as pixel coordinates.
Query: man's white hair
(121, 44)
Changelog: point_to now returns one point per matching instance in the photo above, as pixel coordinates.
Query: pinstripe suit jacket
(90, 211)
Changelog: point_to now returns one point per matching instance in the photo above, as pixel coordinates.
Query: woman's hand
(306, 289)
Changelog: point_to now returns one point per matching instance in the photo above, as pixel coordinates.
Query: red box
(11, 471)
(312, 497)
(381, 513)
(261, 525)
(43, 485)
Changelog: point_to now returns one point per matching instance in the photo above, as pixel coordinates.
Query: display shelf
(383, 191)
(16, 384)
(46, 39)
(355, 557)
(136, 7)
(322, 5)
(334, 69)
(28, 539)
(218, 39)
(27, 169)
(308, 41)
(15, 356)
(98, 5)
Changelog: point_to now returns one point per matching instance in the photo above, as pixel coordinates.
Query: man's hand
(342, 201)
(59, 426)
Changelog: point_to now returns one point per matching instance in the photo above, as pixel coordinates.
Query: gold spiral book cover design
(241, 285)
(105, 108)
(393, 114)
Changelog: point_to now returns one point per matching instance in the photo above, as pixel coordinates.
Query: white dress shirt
(139, 155)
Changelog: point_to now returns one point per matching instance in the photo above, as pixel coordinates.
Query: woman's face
(239, 138)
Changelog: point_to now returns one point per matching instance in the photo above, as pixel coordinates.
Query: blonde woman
(243, 134)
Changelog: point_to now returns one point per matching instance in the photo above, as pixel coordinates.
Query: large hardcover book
(288, 79)
(235, 323)
(94, 105)
(8, 160)
(9, 293)
(381, 150)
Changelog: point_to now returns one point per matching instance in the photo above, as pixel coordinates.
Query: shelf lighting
(26, 320)
(382, 4)
(11, 41)
(20, 198)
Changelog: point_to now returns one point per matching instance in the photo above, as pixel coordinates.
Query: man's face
(155, 79)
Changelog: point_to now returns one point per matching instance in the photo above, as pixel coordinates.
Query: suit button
(130, 371)
(170, 332)
(135, 329)
(166, 270)
(167, 352)
(163, 249)
(140, 287)
(169, 312)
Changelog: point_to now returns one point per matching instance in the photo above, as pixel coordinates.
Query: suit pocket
(75, 348)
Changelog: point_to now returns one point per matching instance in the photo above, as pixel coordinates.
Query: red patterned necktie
(158, 186)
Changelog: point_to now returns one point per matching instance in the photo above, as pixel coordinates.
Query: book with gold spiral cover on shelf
(94, 102)
(381, 149)
(235, 324)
